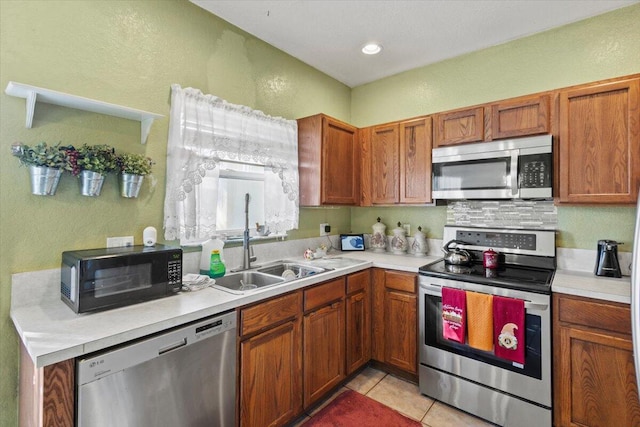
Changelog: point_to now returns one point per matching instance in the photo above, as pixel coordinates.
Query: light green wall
(128, 53)
(599, 48)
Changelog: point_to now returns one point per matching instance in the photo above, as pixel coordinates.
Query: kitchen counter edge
(51, 332)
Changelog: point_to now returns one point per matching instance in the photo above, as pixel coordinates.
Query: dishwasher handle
(173, 346)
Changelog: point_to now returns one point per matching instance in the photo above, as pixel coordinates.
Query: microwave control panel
(535, 171)
(174, 272)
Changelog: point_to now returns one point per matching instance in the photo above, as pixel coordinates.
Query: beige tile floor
(405, 398)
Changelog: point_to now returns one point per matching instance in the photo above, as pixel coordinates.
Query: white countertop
(586, 284)
(51, 332)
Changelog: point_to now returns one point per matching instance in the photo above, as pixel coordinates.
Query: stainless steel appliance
(97, 279)
(607, 263)
(185, 377)
(503, 392)
(506, 169)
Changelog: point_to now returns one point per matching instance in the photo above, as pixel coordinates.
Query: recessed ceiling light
(371, 48)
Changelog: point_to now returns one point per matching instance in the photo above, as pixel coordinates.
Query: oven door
(531, 381)
(492, 175)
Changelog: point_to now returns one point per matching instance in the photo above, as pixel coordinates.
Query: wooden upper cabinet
(600, 142)
(397, 162)
(459, 127)
(385, 164)
(520, 117)
(415, 161)
(328, 162)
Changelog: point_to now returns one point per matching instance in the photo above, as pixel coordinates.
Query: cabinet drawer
(269, 313)
(604, 315)
(357, 281)
(324, 293)
(399, 281)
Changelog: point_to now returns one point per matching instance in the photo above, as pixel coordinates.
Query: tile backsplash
(503, 213)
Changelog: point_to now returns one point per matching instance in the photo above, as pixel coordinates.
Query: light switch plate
(115, 242)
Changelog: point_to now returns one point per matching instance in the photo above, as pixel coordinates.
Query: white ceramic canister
(399, 242)
(379, 237)
(419, 246)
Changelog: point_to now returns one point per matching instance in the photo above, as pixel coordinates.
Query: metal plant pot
(130, 185)
(44, 180)
(91, 183)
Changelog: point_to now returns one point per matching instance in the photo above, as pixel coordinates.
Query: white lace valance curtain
(204, 129)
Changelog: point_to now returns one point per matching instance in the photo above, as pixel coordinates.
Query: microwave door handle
(514, 173)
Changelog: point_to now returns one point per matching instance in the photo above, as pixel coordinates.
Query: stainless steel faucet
(247, 258)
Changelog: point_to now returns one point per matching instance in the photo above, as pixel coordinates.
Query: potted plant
(133, 169)
(91, 163)
(45, 163)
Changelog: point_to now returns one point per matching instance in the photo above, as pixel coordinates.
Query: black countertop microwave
(99, 279)
(506, 169)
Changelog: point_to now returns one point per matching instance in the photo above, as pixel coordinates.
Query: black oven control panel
(498, 240)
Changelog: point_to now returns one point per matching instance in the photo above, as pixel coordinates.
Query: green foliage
(96, 158)
(41, 155)
(135, 164)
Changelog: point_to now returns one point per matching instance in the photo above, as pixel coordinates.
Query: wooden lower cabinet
(395, 323)
(270, 385)
(46, 394)
(594, 374)
(324, 339)
(358, 320)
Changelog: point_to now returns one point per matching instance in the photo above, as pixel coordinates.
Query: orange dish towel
(480, 320)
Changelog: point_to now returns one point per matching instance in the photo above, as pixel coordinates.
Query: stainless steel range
(479, 381)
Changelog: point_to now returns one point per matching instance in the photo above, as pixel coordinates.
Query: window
(217, 152)
(236, 180)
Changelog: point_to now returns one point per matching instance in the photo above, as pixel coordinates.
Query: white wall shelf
(33, 94)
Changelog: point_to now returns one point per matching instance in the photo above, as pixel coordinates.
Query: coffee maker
(607, 260)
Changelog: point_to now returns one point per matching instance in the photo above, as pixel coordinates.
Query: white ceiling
(328, 34)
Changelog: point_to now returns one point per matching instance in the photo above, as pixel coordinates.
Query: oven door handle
(533, 306)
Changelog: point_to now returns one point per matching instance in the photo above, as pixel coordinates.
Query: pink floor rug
(352, 409)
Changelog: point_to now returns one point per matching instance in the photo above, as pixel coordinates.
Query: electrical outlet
(407, 229)
(115, 242)
(325, 228)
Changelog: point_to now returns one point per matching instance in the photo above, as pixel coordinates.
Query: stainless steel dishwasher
(185, 377)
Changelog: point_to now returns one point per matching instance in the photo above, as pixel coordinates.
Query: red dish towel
(454, 303)
(509, 328)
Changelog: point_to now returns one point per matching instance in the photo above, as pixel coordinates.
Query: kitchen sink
(291, 271)
(246, 281)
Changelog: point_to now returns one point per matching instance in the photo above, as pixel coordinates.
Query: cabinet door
(271, 380)
(358, 330)
(385, 166)
(46, 394)
(324, 354)
(415, 161)
(458, 127)
(340, 163)
(600, 143)
(401, 330)
(519, 117)
(598, 387)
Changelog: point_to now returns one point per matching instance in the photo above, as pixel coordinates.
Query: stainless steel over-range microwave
(507, 169)
(98, 279)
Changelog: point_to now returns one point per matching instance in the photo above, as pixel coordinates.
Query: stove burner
(458, 269)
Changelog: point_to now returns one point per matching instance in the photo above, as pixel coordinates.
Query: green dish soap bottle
(216, 266)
